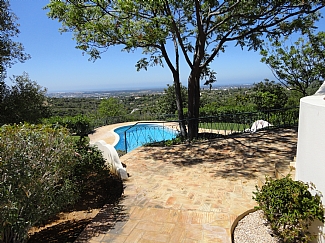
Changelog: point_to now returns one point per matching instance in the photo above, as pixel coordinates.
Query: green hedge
(78, 125)
(37, 177)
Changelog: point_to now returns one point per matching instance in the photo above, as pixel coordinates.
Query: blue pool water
(141, 134)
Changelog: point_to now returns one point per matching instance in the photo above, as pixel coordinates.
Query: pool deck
(107, 133)
(191, 192)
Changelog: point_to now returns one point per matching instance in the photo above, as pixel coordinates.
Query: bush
(78, 125)
(36, 169)
(24, 101)
(290, 207)
(90, 160)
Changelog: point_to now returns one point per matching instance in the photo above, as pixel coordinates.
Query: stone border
(241, 216)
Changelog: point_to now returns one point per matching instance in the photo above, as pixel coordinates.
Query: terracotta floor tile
(134, 236)
(193, 193)
(149, 226)
(156, 237)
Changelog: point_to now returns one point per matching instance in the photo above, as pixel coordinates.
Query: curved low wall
(239, 217)
(310, 162)
(112, 159)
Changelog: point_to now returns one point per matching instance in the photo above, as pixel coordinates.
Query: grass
(224, 126)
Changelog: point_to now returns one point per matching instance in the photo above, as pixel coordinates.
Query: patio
(192, 192)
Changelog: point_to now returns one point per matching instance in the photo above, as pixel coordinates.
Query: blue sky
(58, 66)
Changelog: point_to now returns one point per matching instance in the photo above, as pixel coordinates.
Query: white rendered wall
(112, 159)
(310, 162)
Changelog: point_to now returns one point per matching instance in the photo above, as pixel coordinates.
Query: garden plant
(290, 207)
(43, 170)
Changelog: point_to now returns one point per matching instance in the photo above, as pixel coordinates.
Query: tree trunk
(193, 104)
(179, 104)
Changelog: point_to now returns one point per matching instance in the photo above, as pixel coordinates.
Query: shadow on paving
(100, 190)
(108, 219)
(241, 156)
(247, 155)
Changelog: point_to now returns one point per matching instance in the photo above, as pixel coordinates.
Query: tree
(269, 95)
(10, 51)
(111, 107)
(300, 66)
(167, 102)
(25, 101)
(198, 29)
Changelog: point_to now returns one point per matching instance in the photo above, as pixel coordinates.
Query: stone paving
(190, 193)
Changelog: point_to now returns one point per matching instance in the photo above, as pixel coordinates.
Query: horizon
(56, 65)
(235, 85)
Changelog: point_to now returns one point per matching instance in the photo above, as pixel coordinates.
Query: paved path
(190, 193)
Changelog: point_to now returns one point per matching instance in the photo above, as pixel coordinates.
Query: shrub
(78, 125)
(24, 101)
(90, 160)
(36, 170)
(290, 207)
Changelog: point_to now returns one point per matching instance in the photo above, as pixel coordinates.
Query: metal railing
(142, 133)
(221, 124)
(98, 122)
(228, 123)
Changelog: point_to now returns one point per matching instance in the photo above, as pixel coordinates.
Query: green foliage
(25, 101)
(169, 142)
(77, 125)
(293, 98)
(89, 160)
(269, 95)
(228, 101)
(74, 106)
(198, 30)
(10, 51)
(290, 207)
(300, 65)
(80, 125)
(111, 107)
(36, 170)
(213, 109)
(167, 102)
(222, 126)
(174, 141)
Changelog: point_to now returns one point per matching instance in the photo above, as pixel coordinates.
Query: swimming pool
(140, 134)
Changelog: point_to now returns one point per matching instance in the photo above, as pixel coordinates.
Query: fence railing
(221, 124)
(129, 118)
(141, 133)
(225, 123)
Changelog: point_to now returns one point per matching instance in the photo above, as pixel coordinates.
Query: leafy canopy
(14, 107)
(167, 102)
(150, 24)
(199, 30)
(111, 107)
(298, 66)
(10, 51)
(269, 95)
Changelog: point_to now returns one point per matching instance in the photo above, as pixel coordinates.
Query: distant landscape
(119, 93)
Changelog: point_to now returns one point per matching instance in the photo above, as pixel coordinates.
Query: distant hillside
(119, 93)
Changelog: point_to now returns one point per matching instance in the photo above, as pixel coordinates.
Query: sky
(58, 66)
